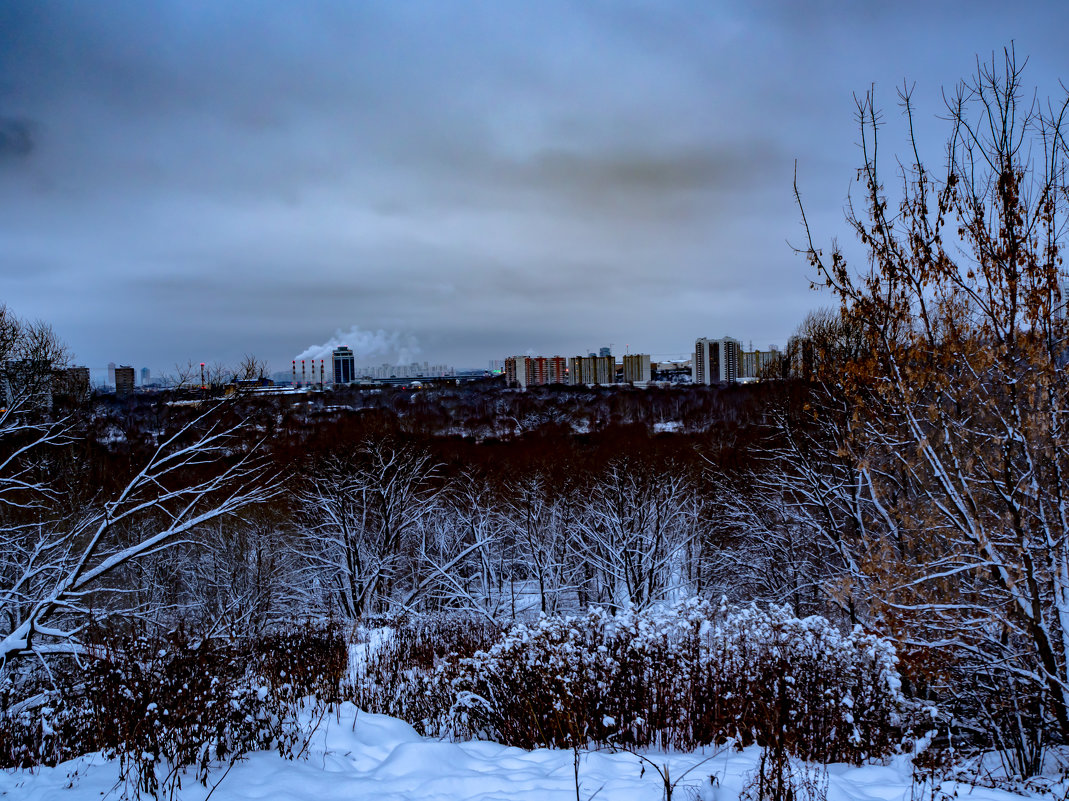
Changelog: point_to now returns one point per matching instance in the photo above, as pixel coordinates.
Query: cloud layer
(184, 179)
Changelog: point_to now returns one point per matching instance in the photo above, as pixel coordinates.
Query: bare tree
(56, 567)
(961, 395)
(636, 525)
(359, 516)
(462, 555)
(29, 352)
(251, 369)
(538, 521)
(231, 576)
(791, 529)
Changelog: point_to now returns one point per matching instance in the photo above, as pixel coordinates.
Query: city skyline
(104, 376)
(194, 182)
(146, 373)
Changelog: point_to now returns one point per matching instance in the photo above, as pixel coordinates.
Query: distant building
(534, 371)
(111, 374)
(716, 361)
(412, 370)
(543, 370)
(146, 376)
(537, 371)
(71, 382)
(605, 352)
(575, 370)
(516, 371)
(637, 369)
(748, 364)
(592, 370)
(558, 370)
(605, 370)
(344, 363)
(759, 364)
(124, 380)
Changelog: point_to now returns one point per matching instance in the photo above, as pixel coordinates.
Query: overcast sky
(449, 181)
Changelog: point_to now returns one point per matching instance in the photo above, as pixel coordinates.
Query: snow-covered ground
(355, 755)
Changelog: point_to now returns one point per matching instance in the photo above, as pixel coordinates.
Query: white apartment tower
(716, 361)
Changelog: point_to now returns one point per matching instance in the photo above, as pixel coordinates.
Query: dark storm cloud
(220, 178)
(640, 172)
(657, 175)
(16, 138)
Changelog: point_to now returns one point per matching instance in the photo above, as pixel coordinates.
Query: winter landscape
(836, 570)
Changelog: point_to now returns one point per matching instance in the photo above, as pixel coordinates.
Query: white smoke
(369, 347)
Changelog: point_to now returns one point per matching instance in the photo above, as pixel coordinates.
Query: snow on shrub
(397, 676)
(164, 704)
(680, 676)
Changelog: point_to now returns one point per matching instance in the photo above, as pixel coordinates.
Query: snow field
(356, 755)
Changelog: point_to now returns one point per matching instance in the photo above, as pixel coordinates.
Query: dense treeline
(576, 480)
(238, 511)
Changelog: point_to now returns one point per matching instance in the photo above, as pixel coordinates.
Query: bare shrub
(165, 704)
(780, 777)
(672, 677)
(399, 676)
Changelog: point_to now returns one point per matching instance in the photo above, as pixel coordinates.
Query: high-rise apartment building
(576, 374)
(344, 364)
(760, 364)
(528, 371)
(557, 370)
(124, 379)
(592, 370)
(71, 382)
(146, 376)
(605, 370)
(537, 371)
(516, 371)
(716, 361)
(637, 369)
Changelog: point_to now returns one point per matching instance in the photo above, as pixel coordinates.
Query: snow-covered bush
(397, 677)
(675, 677)
(165, 704)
